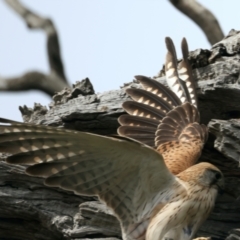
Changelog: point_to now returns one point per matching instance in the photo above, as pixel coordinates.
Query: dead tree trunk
(29, 210)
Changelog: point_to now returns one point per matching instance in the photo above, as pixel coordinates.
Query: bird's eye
(218, 175)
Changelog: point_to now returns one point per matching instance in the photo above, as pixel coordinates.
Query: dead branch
(202, 17)
(49, 84)
(56, 80)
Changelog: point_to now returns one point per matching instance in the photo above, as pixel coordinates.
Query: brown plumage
(176, 132)
(131, 177)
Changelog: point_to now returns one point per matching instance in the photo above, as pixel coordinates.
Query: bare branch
(202, 17)
(56, 79)
(49, 84)
(32, 19)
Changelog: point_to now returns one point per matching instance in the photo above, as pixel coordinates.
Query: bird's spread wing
(179, 124)
(125, 174)
(180, 138)
(149, 107)
(167, 119)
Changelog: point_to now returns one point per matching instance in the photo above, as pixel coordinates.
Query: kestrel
(135, 175)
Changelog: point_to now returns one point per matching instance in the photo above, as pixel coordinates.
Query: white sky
(105, 40)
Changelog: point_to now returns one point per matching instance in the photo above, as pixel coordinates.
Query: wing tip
(140, 77)
(169, 43)
(184, 46)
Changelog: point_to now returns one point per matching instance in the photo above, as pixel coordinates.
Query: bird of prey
(147, 176)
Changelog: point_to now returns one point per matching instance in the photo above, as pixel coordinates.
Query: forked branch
(49, 83)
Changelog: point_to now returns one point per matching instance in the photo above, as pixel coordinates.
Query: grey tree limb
(49, 83)
(202, 17)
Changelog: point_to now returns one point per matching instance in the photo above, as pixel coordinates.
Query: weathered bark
(29, 210)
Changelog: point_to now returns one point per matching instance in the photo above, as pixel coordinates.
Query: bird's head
(204, 174)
